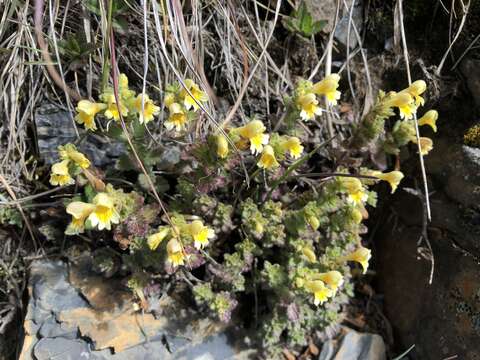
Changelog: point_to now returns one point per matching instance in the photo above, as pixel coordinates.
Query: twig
(460, 28)
(46, 55)
(417, 131)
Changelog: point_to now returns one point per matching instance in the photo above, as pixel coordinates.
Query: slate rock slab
(55, 126)
(67, 319)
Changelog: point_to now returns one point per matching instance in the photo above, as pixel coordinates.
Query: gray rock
(470, 69)
(55, 126)
(61, 349)
(354, 346)
(341, 31)
(51, 328)
(61, 324)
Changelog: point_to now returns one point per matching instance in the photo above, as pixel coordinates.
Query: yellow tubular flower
(293, 146)
(362, 256)
(355, 189)
(60, 175)
(357, 216)
(430, 119)
(328, 87)
(222, 146)
(169, 99)
(267, 159)
(112, 110)
(200, 234)
(149, 108)
(308, 105)
(175, 254)
(333, 279)
(404, 102)
(155, 239)
(197, 94)
(177, 118)
(104, 213)
(254, 132)
(416, 89)
(309, 254)
(87, 111)
(320, 292)
(123, 89)
(70, 152)
(314, 222)
(426, 145)
(79, 211)
(392, 177)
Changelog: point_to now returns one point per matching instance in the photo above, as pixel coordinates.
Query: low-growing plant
(241, 223)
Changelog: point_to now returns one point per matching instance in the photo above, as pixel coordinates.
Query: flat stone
(51, 328)
(353, 345)
(56, 126)
(115, 331)
(61, 349)
(110, 328)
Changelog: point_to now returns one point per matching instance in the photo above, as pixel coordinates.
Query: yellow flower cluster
(129, 104)
(306, 95)
(71, 161)
(325, 285)
(194, 231)
(407, 101)
(182, 103)
(253, 136)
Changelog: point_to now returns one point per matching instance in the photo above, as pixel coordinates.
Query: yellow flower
(357, 216)
(426, 145)
(429, 118)
(254, 132)
(392, 177)
(70, 152)
(362, 256)
(333, 279)
(355, 189)
(404, 102)
(155, 239)
(222, 146)
(175, 253)
(200, 234)
(309, 254)
(293, 146)
(79, 211)
(328, 87)
(104, 213)
(314, 222)
(197, 94)
(320, 292)
(149, 108)
(169, 99)
(87, 111)
(60, 175)
(267, 159)
(112, 110)
(308, 106)
(123, 89)
(177, 118)
(416, 89)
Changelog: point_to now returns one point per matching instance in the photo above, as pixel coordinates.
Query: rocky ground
(426, 282)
